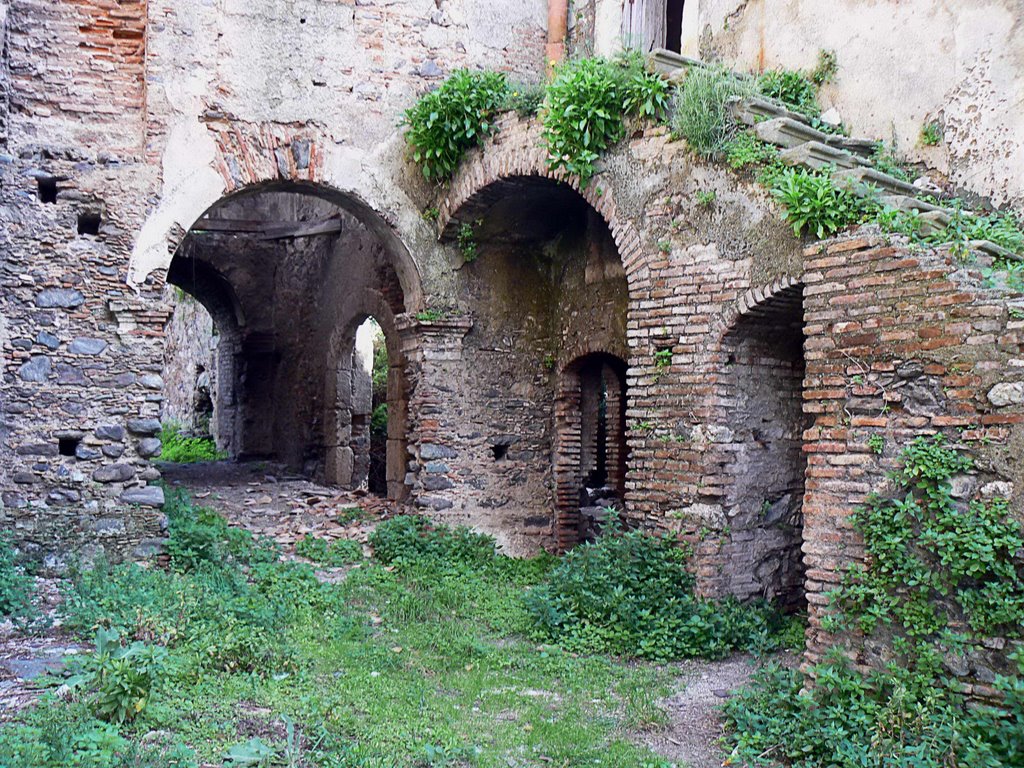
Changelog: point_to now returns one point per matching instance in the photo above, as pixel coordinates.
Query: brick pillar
(568, 460)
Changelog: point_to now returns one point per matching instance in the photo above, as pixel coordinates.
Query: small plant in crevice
(452, 119)
(706, 198)
(940, 576)
(662, 359)
(877, 444)
(430, 315)
(826, 68)
(587, 105)
(466, 241)
(431, 214)
(701, 108)
(744, 149)
(525, 99)
(931, 133)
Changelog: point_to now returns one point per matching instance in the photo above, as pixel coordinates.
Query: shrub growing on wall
(459, 115)
(701, 114)
(939, 577)
(586, 104)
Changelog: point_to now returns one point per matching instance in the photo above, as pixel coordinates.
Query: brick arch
(757, 453)
(239, 159)
(569, 439)
(516, 156)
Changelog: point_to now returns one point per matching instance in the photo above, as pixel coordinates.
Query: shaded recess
(546, 289)
(762, 456)
(591, 457)
(285, 272)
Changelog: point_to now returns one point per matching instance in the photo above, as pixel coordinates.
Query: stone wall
(190, 365)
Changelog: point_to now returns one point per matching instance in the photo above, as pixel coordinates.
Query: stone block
(861, 181)
(87, 346)
(814, 154)
(60, 298)
(110, 432)
(149, 447)
(786, 132)
(150, 496)
(37, 369)
(113, 473)
(143, 426)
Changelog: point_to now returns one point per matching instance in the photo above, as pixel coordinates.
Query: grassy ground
(421, 663)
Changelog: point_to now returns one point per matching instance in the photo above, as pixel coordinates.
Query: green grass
(182, 449)
(422, 660)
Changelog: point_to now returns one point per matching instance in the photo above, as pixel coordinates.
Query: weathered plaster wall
(901, 64)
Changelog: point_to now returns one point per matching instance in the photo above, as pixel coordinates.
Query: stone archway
(347, 401)
(591, 455)
(290, 257)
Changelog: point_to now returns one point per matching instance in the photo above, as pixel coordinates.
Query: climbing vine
(940, 577)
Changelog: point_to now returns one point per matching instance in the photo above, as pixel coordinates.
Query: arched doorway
(591, 452)
(367, 403)
(277, 266)
(761, 390)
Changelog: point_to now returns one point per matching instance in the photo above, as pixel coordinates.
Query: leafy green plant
(744, 149)
(877, 444)
(631, 593)
(16, 586)
(120, 679)
(447, 122)
(410, 539)
(793, 89)
(586, 104)
(701, 112)
(335, 553)
(662, 358)
(178, 448)
(931, 133)
(814, 204)
(939, 575)
(826, 69)
(429, 315)
(466, 241)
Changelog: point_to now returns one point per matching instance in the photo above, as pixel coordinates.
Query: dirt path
(692, 736)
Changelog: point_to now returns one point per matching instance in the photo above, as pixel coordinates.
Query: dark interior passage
(283, 274)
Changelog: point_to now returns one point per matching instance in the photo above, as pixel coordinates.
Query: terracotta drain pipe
(558, 27)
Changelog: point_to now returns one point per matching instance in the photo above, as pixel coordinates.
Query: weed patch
(179, 448)
(630, 593)
(961, 563)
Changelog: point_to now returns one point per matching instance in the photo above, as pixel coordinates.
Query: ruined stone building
(202, 202)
